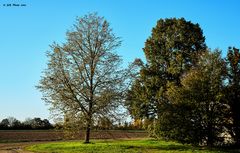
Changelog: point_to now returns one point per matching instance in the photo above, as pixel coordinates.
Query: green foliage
(197, 112)
(233, 93)
(187, 92)
(172, 48)
(120, 146)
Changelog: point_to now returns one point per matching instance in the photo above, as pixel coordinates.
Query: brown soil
(52, 135)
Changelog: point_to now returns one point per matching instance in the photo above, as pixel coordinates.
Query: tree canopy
(172, 49)
(185, 91)
(233, 92)
(198, 105)
(83, 76)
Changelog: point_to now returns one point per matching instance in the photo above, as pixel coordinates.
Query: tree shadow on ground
(181, 148)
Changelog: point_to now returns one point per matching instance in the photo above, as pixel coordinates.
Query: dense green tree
(199, 105)
(233, 92)
(84, 75)
(172, 49)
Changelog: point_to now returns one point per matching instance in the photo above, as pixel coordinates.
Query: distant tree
(233, 92)
(36, 123)
(27, 124)
(16, 124)
(172, 49)
(197, 113)
(11, 123)
(84, 75)
(46, 124)
(5, 123)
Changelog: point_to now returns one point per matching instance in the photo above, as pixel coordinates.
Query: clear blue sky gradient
(27, 32)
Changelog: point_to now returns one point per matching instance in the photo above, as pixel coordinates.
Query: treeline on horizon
(36, 123)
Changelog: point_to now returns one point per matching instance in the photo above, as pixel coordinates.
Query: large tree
(233, 92)
(83, 75)
(171, 50)
(199, 105)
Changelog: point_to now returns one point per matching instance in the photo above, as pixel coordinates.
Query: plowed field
(52, 135)
(14, 141)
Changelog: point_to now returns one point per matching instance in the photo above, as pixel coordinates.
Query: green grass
(119, 146)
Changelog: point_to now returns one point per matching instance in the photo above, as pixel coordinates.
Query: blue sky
(26, 33)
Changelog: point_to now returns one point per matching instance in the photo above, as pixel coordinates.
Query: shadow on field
(168, 147)
(194, 149)
(174, 147)
(180, 148)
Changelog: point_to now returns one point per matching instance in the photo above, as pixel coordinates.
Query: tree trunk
(87, 134)
(210, 135)
(236, 126)
(210, 141)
